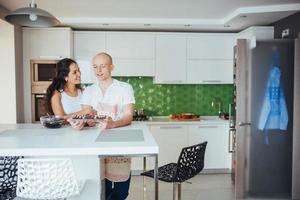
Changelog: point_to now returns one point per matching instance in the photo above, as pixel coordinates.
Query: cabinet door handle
(207, 126)
(170, 127)
(173, 81)
(211, 81)
(39, 96)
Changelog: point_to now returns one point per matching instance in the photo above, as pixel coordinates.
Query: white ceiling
(183, 15)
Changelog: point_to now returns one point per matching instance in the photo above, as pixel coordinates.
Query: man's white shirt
(116, 96)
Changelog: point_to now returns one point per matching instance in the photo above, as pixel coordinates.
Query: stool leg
(179, 191)
(144, 181)
(174, 190)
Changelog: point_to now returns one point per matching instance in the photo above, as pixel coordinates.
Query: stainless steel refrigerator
(262, 170)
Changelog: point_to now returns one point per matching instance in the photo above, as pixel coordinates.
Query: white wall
(19, 74)
(7, 73)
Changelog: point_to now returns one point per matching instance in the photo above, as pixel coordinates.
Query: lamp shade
(32, 17)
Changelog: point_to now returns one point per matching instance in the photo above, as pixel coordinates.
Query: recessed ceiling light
(187, 25)
(243, 16)
(227, 26)
(147, 24)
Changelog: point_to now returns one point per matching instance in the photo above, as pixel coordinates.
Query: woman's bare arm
(58, 110)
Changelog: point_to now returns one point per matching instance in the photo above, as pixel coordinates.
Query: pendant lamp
(32, 17)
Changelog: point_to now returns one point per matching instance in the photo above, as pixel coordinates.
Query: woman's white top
(71, 104)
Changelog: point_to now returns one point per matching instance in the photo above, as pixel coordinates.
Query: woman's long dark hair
(59, 82)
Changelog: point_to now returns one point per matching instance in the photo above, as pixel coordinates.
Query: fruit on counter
(187, 115)
(183, 116)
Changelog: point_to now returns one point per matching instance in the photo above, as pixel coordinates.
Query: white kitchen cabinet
(254, 33)
(88, 43)
(170, 66)
(216, 156)
(210, 71)
(132, 52)
(48, 43)
(42, 43)
(210, 46)
(210, 58)
(170, 139)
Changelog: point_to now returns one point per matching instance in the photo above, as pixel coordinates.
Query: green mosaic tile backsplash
(162, 100)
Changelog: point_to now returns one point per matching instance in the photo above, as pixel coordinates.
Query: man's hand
(106, 123)
(91, 123)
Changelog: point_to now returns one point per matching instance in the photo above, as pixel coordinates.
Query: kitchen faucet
(217, 102)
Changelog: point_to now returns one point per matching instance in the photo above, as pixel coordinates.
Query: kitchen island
(84, 146)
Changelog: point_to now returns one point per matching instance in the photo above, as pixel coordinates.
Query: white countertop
(164, 120)
(36, 140)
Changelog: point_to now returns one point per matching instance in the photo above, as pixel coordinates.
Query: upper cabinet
(213, 46)
(133, 53)
(194, 58)
(40, 43)
(170, 58)
(88, 43)
(210, 58)
(130, 45)
(203, 71)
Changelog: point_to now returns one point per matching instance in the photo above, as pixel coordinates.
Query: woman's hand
(106, 123)
(88, 111)
(77, 125)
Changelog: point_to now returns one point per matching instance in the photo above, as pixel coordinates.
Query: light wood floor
(201, 187)
(210, 187)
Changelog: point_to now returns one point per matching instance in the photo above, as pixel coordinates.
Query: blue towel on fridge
(274, 114)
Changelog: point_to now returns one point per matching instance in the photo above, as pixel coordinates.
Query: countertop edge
(164, 120)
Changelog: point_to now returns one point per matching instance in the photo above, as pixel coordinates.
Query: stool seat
(165, 173)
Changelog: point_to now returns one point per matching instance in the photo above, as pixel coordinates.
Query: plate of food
(184, 117)
(87, 118)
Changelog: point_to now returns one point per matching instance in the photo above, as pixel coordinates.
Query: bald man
(115, 99)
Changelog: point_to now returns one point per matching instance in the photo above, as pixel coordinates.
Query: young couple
(106, 97)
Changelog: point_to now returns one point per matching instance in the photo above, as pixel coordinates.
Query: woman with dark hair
(64, 92)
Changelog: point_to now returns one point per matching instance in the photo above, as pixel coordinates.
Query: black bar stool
(8, 177)
(189, 164)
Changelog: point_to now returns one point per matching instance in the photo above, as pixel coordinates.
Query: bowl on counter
(52, 121)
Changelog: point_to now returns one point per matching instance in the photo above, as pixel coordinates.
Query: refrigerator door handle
(244, 123)
(230, 141)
